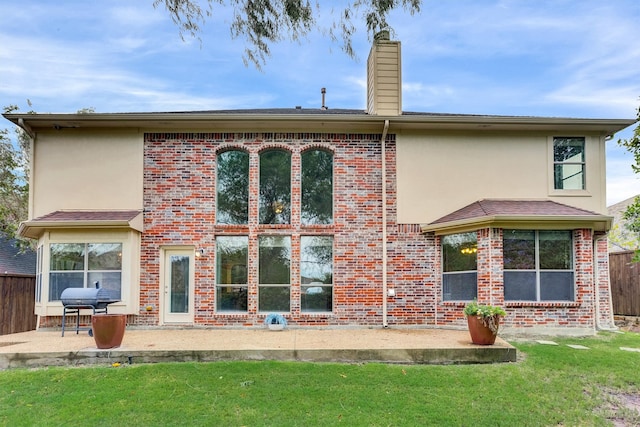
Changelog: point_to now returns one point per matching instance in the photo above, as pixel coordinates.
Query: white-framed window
(538, 265)
(231, 273)
(316, 274)
(83, 265)
(460, 266)
(274, 273)
(569, 165)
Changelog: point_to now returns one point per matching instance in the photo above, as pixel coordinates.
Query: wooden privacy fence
(17, 302)
(625, 283)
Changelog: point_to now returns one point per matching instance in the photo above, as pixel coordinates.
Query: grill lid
(87, 296)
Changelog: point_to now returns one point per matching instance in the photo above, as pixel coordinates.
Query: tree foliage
(632, 213)
(14, 179)
(263, 22)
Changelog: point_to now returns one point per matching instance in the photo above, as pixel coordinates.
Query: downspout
(385, 324)
(599, 327)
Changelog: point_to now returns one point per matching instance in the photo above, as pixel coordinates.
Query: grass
(549, 386)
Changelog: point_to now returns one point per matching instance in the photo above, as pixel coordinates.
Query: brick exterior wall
(179, 200)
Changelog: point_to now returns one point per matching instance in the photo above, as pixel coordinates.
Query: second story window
(275, 187)
(569, 163)
(232, 187)
(317, 187)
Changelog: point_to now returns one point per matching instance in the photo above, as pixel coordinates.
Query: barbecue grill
(75, 299)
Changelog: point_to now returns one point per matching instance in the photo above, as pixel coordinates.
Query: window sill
(455, 303)
(569, 193)
(545, 304)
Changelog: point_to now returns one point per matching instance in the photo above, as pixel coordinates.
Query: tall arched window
(233, 187)
(317, 187)
(275, 187)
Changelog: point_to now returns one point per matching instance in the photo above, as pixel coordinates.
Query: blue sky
(556, 58)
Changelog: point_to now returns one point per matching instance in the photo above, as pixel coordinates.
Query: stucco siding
(77, 170)
(442, 172)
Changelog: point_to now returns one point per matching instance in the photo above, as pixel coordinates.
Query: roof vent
(323, 91)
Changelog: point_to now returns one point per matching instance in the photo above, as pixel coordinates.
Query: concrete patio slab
(388, 345)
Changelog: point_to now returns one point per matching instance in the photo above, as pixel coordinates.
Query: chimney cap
(382, 35)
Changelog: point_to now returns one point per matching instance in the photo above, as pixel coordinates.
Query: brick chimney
(384, 77)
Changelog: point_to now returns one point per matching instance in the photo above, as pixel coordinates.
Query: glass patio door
(178, 286)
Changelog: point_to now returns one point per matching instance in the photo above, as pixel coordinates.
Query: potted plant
(275, 321)
(483, 321)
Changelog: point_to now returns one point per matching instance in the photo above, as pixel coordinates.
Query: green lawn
(548, 386)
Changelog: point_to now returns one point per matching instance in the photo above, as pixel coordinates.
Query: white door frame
(166, 316)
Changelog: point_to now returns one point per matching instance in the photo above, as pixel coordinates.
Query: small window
(459, 267)
(569, 163)
(275, 187)
(82, 265)
(232, 196)
(316, 273)
(317, 187)
(231, 273)
(538, 265)
(274, 273)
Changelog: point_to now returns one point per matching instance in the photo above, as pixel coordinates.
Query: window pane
(108, 280)
(555, 250)
(317, 187)
(460, 286)
(231, 298)
(459, 252)
(231, 260)
(520, 286)
(316, 259)
(232, 187)
(569, 177)
(58, 282)
(316, 298)
(67, 256)
(105, 256)
(519, 250)
(273, 298)
(568, 150)
(275, 187)
(274, 260)
(179, 284)
(556, 286)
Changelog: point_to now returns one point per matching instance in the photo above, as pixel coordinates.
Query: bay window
(83, 265)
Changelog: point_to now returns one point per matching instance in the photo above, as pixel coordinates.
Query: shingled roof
(520, 213)
(82, 219)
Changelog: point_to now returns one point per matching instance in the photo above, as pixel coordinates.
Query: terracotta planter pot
(108, 329)
(481, 334)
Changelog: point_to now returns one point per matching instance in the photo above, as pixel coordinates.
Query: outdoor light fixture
(200, 252)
